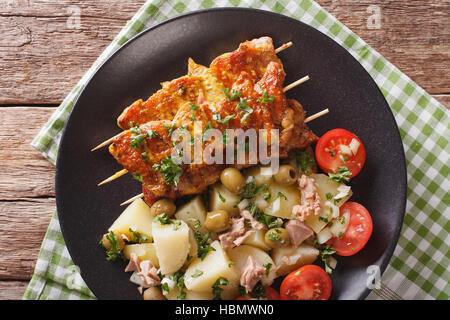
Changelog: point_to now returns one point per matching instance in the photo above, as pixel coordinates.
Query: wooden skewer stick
(284, 46)
(114, 176)
(317, 115)
(104, 143)
(310, 118)
(132, 199)
(124, 171)
(295, 83)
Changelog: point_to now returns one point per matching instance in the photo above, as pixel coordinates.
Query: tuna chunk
(251, 273)
(254, 223)
(236, 235)
(145, 270)
(310, 199)
(298, 232)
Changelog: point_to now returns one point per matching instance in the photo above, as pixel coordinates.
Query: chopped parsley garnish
(170, 171)
(266, 98)
(216, 287)
(268, 266)
(222, 198)
(232, 94)
(171, 129)
(326, 251)
(243, 106)
(152, 133)
(196, 222)
(274, 236)
(177, 225)
(342, 219)
(258, 291)
(329, 196)
(342, 175)
(178, 278)
(197, 273)
(204, 246)
(165, 287)
(144, 156)
(137, 140)
(193, 106)
(163, 219)
(114, 253)
(323, 219)
(340, 235)
(251, 190)
(281, 195)
(138, 177)
(230, 264)
(216, 117)
(269, 221)
(137, 237)
(332, 153)
(305, 161)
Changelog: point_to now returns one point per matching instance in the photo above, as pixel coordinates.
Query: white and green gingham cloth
(419, 268)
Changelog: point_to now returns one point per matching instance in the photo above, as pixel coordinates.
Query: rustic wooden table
(42, 57)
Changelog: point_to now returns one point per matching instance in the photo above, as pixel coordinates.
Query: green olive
(217, 220)
(153, 293)
(276, 237)
(233, 180)
(107, 244)
(286, 174)
(163, 206)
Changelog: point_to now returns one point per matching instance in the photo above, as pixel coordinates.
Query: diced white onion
(331, 209)
(249, 179)
(324, 235)
(338, 228)
(332, 262)
(343, 192)
(354, 146)
(267, 172)
(243, 204)
(276, 205)
(261, 203)
(345, 150)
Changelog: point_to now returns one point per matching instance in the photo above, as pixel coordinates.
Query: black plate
(135, 71)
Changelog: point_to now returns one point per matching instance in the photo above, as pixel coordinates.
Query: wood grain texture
(12, 290)
(25, 172)
(24, 223)
(42, 57)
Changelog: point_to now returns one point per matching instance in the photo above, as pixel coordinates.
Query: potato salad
(252, 227)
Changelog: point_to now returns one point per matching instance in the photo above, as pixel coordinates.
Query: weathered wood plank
(42, 58)
(12, 290)
(25, 172)
(24, 224)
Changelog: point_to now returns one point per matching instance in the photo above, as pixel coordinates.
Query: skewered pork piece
(145, 151)
(202, 83)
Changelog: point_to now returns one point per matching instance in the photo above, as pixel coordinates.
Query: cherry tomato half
(309, 282)
(358, 231)
(334, 147)
(271, 294)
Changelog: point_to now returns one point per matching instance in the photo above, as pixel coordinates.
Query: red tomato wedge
(309, 282)
(271, 294)
(338, 145)
(358, 231)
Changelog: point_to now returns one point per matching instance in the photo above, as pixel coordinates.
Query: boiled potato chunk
(239, 255)
(288, 259)
(256, 239)
(193, 212)
(202, 274)
(256, 173)
(281, 206)
(324, 186)
(144, 251)
(136, 216)
(171, 244)
(222, 199)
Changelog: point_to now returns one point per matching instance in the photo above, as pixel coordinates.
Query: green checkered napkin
(419, 268)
